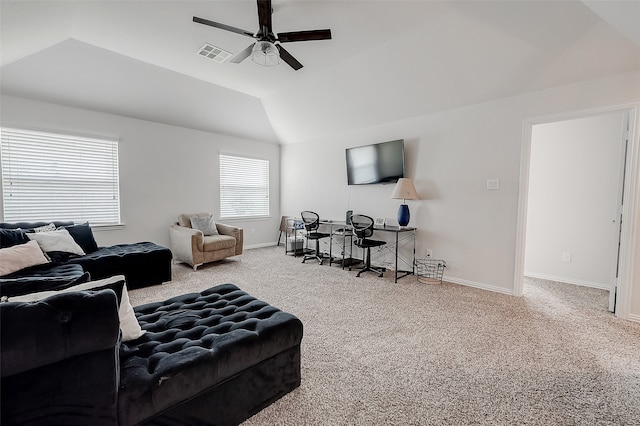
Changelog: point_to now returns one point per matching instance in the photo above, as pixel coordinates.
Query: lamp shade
(405, 190)
(265, 53)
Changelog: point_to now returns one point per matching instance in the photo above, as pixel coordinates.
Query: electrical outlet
(429, 253)
(253, 231)
(493, 184)
(566, 256)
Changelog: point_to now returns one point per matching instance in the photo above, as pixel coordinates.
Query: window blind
(48, 176)
(244, 187)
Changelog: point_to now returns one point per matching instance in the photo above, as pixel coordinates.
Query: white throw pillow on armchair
(206, 224)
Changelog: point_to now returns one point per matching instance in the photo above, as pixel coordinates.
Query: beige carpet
(379, 353)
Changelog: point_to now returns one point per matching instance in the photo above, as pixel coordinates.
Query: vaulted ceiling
(387, 60)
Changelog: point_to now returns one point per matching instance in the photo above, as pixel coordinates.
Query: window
(48, 176)
(244, 187)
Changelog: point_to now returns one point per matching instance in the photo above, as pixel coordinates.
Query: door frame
(632, 187)
(620, 201)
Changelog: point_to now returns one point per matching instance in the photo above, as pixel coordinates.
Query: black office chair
(311, 222)
(363, 228)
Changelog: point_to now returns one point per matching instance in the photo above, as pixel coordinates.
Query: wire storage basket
(430, 271)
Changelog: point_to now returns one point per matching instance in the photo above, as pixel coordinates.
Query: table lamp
(406, 191)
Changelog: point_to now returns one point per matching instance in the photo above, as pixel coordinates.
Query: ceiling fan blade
(264, 16)
(223, 26)
(243, 55)
(286, 56)
(304, 36)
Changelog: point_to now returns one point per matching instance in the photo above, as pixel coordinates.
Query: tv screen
(377, 163)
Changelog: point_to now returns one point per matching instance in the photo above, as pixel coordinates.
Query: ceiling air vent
(212, 52)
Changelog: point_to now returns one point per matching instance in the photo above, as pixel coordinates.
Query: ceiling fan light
(265, 53)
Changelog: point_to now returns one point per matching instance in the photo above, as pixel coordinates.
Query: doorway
(572, 180)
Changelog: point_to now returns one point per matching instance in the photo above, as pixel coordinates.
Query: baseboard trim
(481, 286)
(601, 286)
(634, 318)
(261, 245)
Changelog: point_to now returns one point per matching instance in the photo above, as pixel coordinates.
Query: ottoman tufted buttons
(200, 350)
(64, 317)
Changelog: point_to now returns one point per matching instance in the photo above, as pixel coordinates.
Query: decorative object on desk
(380, 221)
(406, 191)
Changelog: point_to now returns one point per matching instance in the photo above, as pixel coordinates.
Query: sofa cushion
(68, 326)
(26, 226)
(218, 242)
(142, 263)
(21, 256)
(128, 322)
(42, 278)
(60, 360)
(12, 237)
(194, 342)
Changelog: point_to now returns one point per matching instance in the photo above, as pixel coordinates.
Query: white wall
(164, 170)
(450, 155)
(573, 186)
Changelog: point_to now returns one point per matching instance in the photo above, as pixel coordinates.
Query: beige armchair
(191, 246)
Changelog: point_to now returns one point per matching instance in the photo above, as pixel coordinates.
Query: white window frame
(244, 187)
(50, 176)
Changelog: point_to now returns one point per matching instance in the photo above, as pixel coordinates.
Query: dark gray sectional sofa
(68, 355)
(142, 264)
(210, 358)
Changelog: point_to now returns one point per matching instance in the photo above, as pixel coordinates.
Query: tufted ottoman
(213, 358)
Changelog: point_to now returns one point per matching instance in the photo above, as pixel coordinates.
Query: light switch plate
(493, 184)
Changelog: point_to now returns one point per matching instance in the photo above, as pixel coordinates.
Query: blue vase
(403, 215)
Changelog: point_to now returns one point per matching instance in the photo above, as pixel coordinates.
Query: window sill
(100, 228)
(243, 218)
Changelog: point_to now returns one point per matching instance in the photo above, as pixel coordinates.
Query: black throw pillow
(61, 256)
(83, 235)
(12, 237)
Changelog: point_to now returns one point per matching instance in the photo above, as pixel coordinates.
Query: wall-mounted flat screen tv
(376, 163)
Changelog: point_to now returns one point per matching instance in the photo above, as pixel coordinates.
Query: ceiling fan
(265, 51)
